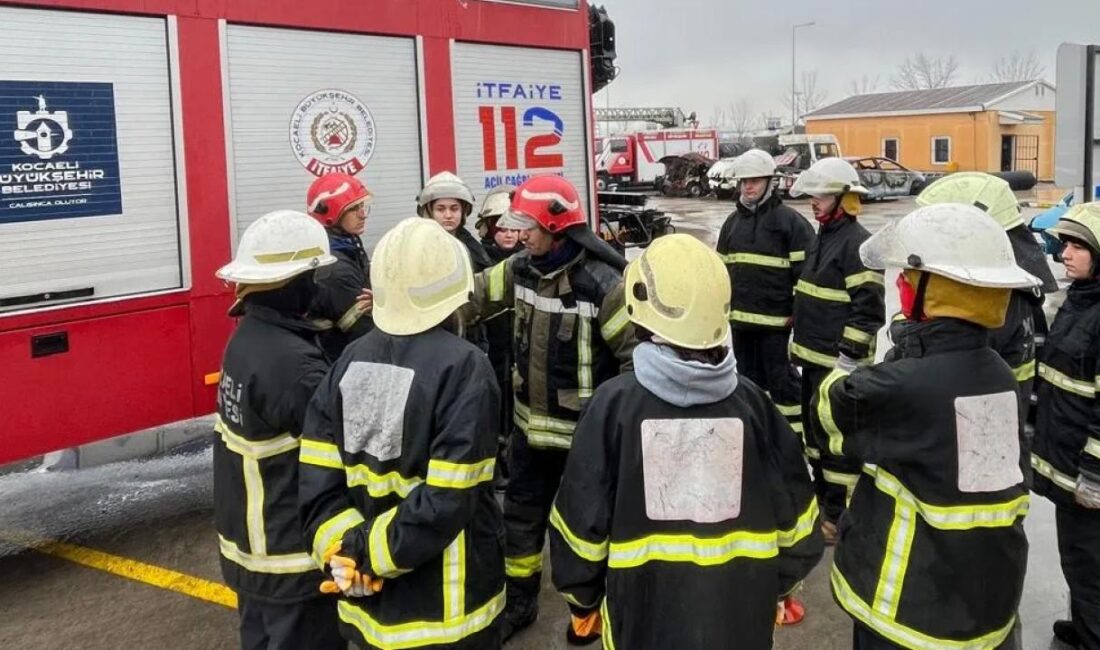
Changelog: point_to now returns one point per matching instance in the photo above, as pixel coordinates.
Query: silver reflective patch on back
(988, 433)
(374, 396)
(693, 469)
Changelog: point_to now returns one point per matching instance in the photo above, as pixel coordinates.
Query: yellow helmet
(993, 195)
(1082, 222)
(420, 275)
(680, 290)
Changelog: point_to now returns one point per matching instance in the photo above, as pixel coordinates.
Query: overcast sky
(699, 54)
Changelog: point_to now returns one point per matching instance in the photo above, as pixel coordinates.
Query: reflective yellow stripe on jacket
(759, 260)
(454, 579)
(326, 454)
(823, 293)
(1043, 468)
(251, 453)
(591, 551)
(420, 633)
(1025, 371)
(333, 531)
(806, 354)
(825, 412)
(1067, 383)
(543, 431)
(379, 546)
(758, 319)
(906, 636)
(523, 567)
(866, 277)
(445, 474)
(274, 564)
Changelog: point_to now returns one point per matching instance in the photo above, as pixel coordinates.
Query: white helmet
(828, 177)
(954, 240)
(276, 247)
(754, 163)
(420, 275)
(444, 185)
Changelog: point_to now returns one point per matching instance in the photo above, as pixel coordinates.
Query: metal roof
(937, 100)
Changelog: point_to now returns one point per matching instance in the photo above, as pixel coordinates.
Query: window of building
(941, 150)
(890, 148)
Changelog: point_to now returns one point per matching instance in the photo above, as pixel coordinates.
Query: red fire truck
(635, 159)
(139, 138)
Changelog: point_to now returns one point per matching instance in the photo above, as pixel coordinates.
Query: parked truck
(633, 160)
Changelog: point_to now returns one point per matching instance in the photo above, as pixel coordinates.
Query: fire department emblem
(332, 131)
(42, 133)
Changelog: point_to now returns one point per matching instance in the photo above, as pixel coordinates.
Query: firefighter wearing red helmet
(341, 203)
(571, 334)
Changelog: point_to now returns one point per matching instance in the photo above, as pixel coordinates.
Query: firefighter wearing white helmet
(1066, 454)
(839, 306)
(934, 552)
(449, 201)
(397, 461)
(500, 244)
(681, 449)
(1015, 341)
(272, 365)
(763, 244)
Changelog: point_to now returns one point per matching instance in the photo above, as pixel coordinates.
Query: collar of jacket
(561, 270)
(1083, 294)
(279, 319)
(836, 223)
(764, 207)
(940, 335)
(478, 255)
(496, 252)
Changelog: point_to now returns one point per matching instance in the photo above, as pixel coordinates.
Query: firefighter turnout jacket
(932, 549)
(684, 525)
(336, 308)
(271, 367)
(839, 304)
(571, 333)
(397, 461)
(764, 250)
(1067, 425)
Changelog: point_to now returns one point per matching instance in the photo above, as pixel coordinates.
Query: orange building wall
(975, 139)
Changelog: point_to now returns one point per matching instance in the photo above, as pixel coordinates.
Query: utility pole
(794, 91)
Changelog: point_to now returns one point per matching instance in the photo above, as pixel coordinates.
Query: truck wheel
(695, 190)
(601, 182)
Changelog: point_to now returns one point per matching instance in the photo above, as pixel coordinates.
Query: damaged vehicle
(685, 175)
(885, 179)
(721, 180)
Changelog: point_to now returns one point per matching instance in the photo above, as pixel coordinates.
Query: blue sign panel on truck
(58, 151)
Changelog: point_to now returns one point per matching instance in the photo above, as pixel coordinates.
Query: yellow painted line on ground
(124, 567)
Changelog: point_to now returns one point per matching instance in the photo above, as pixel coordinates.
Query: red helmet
(330, 195)
(548, 201)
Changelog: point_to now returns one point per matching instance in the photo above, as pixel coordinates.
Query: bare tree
(865, 85)
(1017, 67)
(717, 117)
(742, 121)
(809, 95)
(920, 72)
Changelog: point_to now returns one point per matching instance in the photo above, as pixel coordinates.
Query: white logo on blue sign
(58, 151)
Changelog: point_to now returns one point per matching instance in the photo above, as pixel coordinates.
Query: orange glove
(345, 578)
(591, 625)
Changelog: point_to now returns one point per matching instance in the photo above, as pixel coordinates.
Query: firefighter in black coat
(1066, 457)
(342, 306)
(397, 461)
(500, 244)
(763, 244)
(1016, 340)
(839, 306)
(685, 510)
(932, 550)
(272, 365)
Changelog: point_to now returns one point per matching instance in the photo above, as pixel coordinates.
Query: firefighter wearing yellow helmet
(1066, 454)
(1015, 341)
(397, 461)
(933, 550)
(685, 511)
